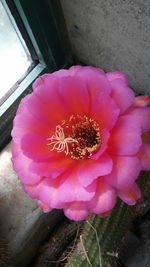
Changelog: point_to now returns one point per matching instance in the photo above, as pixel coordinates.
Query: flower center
(78, 137)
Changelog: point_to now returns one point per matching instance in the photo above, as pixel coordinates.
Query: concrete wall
(112, 34)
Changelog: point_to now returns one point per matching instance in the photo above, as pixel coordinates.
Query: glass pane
(15, 58)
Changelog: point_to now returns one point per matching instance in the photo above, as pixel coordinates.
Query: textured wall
(112, 34)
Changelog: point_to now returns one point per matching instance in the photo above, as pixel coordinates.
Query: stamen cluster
(79, 137)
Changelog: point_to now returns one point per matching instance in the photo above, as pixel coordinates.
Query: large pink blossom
(78, 141)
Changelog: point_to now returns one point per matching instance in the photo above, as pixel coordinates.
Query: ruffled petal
(144, 156)
(130, 195)
(143, 115)
(45, 100)
(42, 108)
(70, 189)
(35, 146)
(115, 75)
(89, 170)
(52, 168)
(21, 165)
(125, 172)
(125, 137)
(49, 194)
(44, 207)
(122, 94)
(141, 101)
(27, 124)
(104, 199)
(85, 71)
(60, 193)
(99, 90)
(76, 211)
(46, 192)
(99, 114)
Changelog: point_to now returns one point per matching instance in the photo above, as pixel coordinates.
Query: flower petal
(35, 146)
(99, 100)
(144, 156)
(105, 119)
(125, 137)
(21, 165)
(125, 172)
(52, 168)
(46, 192)
(89, 170)
(141, 101)
(104, 199)
(43, 206)
(143, 115)
(49, 194)
(122, 94)
(70, 189)
(74, 95)
(41, 109)
(89, 96)
(76, 211)
(115, 75)
(46, 99)
(85, 71)
(27, 124)
(130, 195)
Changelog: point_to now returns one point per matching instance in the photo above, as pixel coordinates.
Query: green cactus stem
(99, 242)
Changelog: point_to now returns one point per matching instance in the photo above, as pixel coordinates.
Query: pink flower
(77, 141)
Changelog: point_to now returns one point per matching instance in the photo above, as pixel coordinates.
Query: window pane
(15, 58)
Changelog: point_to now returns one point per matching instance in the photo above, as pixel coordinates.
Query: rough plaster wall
(112, 34)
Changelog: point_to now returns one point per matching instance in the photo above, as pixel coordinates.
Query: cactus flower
(78, 141)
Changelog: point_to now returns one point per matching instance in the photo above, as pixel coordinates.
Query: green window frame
(42, 26)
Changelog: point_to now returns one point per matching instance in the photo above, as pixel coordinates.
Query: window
(15, 58)
(41, 30)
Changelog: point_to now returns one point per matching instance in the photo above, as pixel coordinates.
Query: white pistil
(59, 142)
